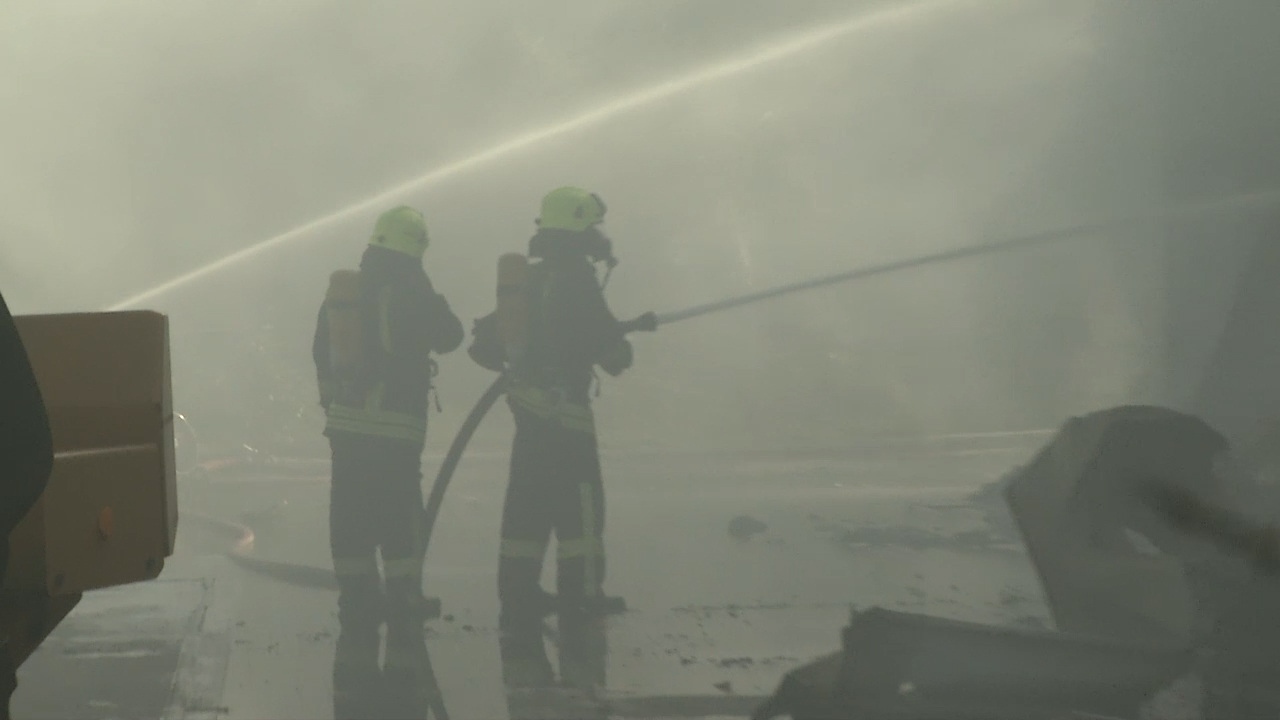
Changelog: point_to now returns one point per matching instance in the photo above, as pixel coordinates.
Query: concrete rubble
(1156, 616)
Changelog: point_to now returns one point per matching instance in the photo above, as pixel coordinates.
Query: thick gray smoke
(1203, 77)
(143, 139)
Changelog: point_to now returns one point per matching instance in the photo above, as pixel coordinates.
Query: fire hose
(650, 322)
(318, 578)
(287, 573)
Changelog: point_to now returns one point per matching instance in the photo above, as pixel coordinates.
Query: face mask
(600, 248)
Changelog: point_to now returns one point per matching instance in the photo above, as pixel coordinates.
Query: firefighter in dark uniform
(551, 330)
(377, 329)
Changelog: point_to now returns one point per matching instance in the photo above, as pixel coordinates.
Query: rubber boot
(406, 673)
(583, 652)
(608, 605)
(523, 653)
(358, 691)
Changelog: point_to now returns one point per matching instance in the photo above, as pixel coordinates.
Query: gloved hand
(618, 359)
(485, 349)
(647, 322)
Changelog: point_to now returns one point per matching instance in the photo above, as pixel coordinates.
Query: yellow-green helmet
(401, 229)
(572, 209)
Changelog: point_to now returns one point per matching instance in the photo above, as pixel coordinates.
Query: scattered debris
(732, 608)
(905, 656)
(1128, 624)
(1030, 621)
(1011, 596)
(743, 528)
(915, 538)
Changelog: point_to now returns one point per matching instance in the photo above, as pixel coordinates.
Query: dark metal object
(910, 667)
(1131, 622)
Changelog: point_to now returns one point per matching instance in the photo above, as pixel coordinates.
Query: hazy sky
(143, 138)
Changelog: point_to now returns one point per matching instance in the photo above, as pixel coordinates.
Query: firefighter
(551, 329)
(375, 334)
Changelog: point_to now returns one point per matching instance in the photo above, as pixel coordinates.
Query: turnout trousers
(375, 504)
(555, 486)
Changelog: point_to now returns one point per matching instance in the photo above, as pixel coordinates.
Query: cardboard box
(109, 515)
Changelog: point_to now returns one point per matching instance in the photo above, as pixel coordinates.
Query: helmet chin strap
(604, 253)
(611, 262)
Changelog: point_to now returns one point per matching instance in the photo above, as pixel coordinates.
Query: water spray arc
(644, 97)
(318, 578)
(1080, 231)
(652, 321)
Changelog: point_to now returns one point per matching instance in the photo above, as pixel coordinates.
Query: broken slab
(1108, 564)
(902, 665)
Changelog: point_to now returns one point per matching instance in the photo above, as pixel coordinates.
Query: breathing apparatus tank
(346, 336)
(512, 314)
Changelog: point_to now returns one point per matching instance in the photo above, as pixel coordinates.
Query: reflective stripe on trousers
(357, 567)
(579, 551)
(375, 506)
(587, 547)
(517, 549)
(362, 568)
(554, 489)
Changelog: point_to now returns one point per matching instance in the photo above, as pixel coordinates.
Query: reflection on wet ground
(720, 607)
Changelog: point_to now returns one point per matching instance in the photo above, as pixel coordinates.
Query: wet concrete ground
(711, 614)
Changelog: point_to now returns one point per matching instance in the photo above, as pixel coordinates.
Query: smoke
(1205, 77)
(144, 139)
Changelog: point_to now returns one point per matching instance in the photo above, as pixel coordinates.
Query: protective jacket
(404, 320)
(572, 330)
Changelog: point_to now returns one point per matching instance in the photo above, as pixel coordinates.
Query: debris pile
(1161, 609)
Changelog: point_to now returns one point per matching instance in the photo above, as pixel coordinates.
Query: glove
(647, 322)
(619, 359)
(485, 350)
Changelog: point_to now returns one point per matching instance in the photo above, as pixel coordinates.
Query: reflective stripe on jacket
(551, 405)
(371, 419)
(406, 321)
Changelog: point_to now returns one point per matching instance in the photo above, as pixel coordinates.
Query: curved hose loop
(436, 499)
(241, 553)
(645, 323)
